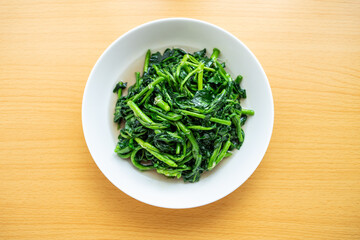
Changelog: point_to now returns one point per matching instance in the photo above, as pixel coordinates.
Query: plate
(119, 62)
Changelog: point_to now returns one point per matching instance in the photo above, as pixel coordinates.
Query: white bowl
(125, 56)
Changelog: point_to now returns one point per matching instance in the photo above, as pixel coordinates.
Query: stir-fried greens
(182, 116)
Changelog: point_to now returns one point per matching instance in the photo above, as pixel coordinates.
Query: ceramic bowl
(119, 62)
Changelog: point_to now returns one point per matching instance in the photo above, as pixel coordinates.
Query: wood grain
(307, 186)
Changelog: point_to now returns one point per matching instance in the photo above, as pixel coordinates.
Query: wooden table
(307, 186)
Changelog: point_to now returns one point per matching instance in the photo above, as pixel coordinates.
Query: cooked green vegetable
(182, 116)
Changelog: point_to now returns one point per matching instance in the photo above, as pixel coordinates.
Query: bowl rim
(85, 94)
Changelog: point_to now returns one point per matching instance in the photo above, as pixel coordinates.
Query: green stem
(178, 158)
(137, 77)
(212, 163)
(194, 60)
(127, 155)
(215, 54)
(161, 103)
(147, 59)
(119, 87)
(247, 112)
(205, 68)
(153, 125)
(146, 145)
(151, 149)
(171, 77)
(190, 136)
(124, 135)
(171, 116)
(150, 86)
(159, 72)
(187, 68)
(167, 97)
(238, 79)
(228, 154)
(178, 148)
(123, 150)
(199, 127)
(137, 111)
(146, 96)
(221, 121)
(172, 172)
(189, 92)
(183, 61)
(187, 159)
(202, 116)
(223, 151)
(187, 78)
(136, 163)
(200, 76)
(237, 122)
(223, 73)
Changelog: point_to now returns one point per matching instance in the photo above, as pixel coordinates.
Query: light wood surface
(307, 186)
